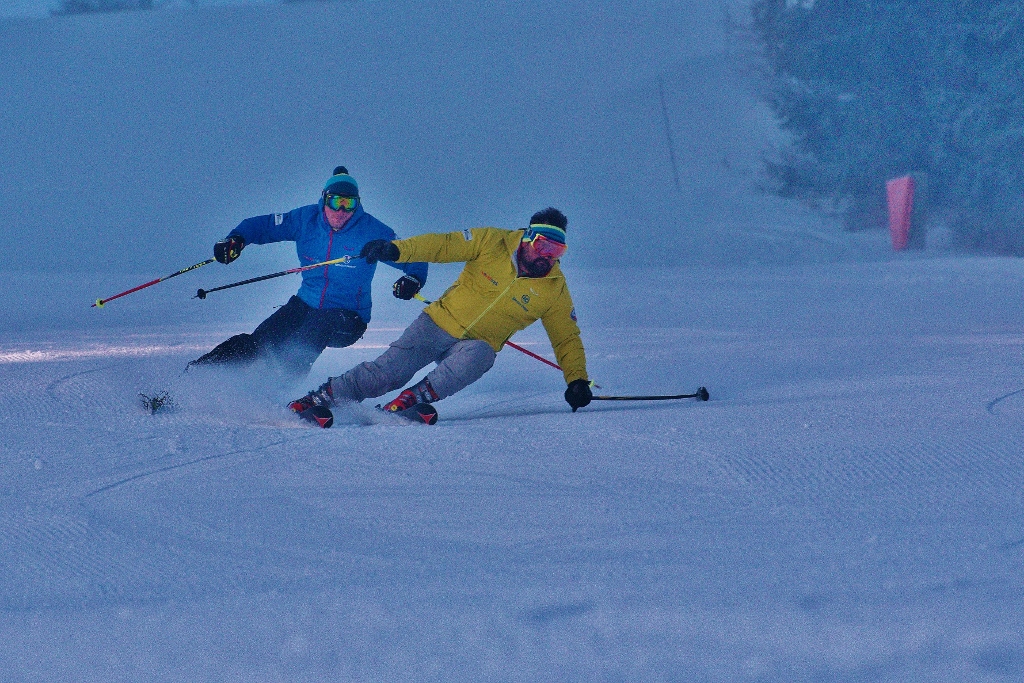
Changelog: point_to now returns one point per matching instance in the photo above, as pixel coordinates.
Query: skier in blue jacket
(332, 306)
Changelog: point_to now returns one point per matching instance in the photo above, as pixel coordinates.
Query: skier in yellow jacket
(511, 279)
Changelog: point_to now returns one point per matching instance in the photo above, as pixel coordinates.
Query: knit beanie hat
(341, 184)
(552, 232)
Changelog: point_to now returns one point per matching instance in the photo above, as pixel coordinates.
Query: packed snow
(846, 507)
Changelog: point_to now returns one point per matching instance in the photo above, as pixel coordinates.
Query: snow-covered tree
(872, 89)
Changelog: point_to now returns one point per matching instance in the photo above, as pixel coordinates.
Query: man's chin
(538, 268)
(338, 220)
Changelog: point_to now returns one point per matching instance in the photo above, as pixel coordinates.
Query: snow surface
(847, 507)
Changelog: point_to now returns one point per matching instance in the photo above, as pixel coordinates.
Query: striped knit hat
(550, 222)
(552, 232)
(341, 184)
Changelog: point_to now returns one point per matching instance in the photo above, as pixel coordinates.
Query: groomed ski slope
(847, 507)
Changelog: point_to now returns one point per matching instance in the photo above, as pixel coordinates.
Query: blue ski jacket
(343, 285)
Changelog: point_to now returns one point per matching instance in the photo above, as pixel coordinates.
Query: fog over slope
(138, 139)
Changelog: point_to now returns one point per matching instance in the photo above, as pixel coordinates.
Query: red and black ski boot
(414, 403)
(405, 400)
(314, 406)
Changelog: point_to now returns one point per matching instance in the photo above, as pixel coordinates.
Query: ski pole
(517, 347)
(201, 294)
(701, 394)
(100, 302)
(531, 354)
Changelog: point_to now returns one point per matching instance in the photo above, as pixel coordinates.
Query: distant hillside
(145, 136)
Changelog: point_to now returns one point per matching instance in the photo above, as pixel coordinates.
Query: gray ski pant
(460, 362)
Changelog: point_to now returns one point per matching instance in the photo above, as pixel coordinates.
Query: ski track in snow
(846, 507)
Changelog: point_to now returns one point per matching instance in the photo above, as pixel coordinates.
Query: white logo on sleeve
(467, 235)
(278, 218)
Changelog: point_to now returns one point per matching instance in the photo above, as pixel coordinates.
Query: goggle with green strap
(546, 240)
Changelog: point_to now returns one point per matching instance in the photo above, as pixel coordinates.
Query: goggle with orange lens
(551, 245)
(546, 247)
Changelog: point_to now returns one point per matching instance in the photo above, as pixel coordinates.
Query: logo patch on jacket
(489, 278)
(572, 314)
(522, 301)
(278, 218)
(467, 235)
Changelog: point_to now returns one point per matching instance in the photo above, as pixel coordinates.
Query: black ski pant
(294, 336)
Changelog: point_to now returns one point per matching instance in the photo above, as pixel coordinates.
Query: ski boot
(422, 392)
(315, 406)
(414, 403)
(321, 396)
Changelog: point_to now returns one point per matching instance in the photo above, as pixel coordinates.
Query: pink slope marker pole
(900, 195)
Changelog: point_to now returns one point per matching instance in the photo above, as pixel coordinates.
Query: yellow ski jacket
(490, 302)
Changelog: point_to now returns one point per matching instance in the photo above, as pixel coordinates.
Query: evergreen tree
(872, 89)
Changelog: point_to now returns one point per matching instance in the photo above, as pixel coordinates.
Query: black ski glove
(228, 250)
(578, 394)
(379, 250)
(406, 287)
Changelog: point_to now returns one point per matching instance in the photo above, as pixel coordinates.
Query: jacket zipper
(515, 278)
(488, 309)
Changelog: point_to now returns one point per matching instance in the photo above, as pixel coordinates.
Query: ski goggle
(547, 241)
(338, 203)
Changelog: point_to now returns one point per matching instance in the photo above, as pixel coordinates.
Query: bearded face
(531, 263)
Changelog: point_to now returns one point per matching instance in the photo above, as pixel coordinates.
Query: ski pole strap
(100, 302)
(701, 394)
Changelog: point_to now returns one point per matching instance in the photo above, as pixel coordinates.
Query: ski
(321, 416)
(421, 413)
